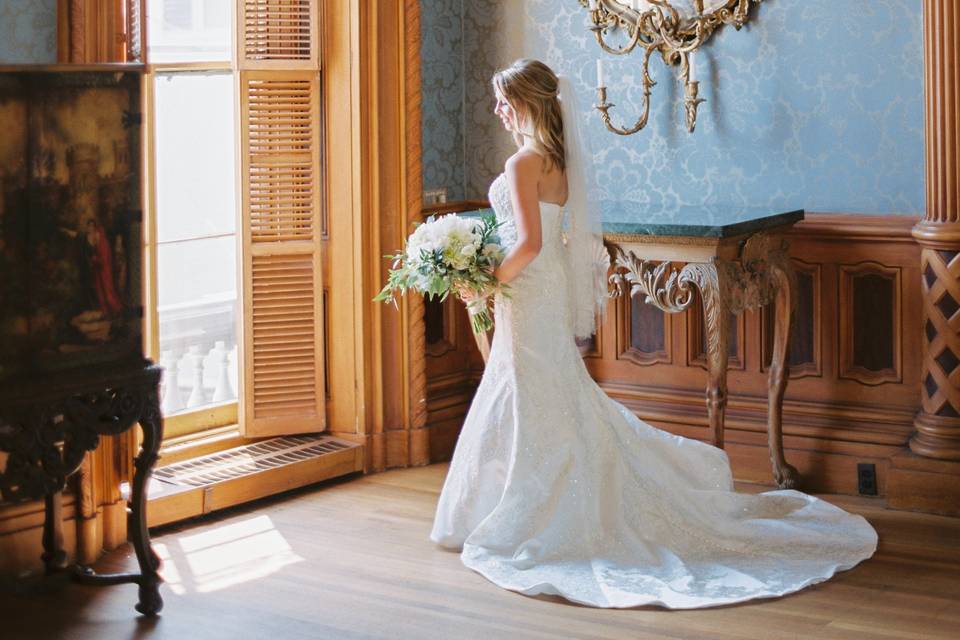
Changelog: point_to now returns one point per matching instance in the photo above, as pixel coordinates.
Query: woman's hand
(472, 296)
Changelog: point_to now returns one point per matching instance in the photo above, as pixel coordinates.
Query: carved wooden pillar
(938, 423)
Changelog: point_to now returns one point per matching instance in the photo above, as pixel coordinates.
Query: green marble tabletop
(706, 221)
(701, 221)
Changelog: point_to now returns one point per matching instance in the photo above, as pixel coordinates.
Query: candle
(600, 73)
(692, 60)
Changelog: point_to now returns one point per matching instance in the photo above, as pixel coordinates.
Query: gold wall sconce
(659, 26)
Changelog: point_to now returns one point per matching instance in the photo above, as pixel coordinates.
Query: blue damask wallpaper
(28, 31)
(442, 77)
(817, 103)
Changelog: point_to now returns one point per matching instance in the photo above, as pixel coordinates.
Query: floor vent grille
(250, 459)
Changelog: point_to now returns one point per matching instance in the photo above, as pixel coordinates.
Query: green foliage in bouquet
(447, 254)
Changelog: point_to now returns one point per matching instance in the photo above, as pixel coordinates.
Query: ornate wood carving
(763, 273)
(697, 338)
(870, 323)
(48, 430)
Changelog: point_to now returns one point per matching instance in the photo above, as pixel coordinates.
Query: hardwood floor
(351, 559)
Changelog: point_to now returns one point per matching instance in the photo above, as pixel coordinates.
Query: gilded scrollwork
(660, 28)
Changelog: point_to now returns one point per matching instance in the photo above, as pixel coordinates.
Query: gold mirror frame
(661, 28)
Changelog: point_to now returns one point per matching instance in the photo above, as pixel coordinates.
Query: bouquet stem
(480, 320)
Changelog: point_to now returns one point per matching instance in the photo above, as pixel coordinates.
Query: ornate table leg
(712, 285)
(762, 274)
(784, 474)
(54, 557)
(148, 579)
(151, 422)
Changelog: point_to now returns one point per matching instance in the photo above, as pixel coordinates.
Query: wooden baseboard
(924, 484)
(171, 502)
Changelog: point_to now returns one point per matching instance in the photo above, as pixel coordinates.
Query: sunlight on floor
(224, 556)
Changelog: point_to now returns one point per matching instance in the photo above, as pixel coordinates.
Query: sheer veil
(588, 258)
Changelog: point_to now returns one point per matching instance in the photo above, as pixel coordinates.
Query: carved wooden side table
(48, 429)
(736, 259)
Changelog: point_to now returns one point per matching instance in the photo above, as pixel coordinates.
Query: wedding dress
(555, 488)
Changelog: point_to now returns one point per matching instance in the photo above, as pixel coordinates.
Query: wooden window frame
(197, 423)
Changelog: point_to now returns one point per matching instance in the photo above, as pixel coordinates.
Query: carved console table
(48, 429)
(736, 259)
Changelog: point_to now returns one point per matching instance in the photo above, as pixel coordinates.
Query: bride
(555, 488)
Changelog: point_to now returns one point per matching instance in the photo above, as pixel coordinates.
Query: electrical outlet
(866, 479)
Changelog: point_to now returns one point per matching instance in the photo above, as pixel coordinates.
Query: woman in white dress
(555, 488)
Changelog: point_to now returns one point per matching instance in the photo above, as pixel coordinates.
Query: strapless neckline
(553, 204)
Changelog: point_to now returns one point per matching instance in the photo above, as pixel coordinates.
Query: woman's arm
(523, 174)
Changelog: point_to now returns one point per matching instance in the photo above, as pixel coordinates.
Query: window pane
(196, 223)
(188, 30)
(197, 290)
(196, 172)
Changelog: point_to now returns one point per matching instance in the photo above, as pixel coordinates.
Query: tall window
(235, 123)
(195, 200)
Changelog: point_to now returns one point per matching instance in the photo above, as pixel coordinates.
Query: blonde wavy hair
(530, 87)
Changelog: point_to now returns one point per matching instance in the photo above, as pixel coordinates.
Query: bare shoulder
(524, 162)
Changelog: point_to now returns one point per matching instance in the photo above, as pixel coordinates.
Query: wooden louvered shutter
(280, 120)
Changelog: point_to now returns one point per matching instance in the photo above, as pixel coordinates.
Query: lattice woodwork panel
(278, 33)
(804, 350)
(941, 301)
(285, 337)
(870, 332)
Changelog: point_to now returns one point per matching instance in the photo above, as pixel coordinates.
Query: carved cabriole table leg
(731, 276)
(784, 474)
(151, 422)
(148, 579)
(714, 286)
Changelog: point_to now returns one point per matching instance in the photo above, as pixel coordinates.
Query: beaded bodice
(551, 217)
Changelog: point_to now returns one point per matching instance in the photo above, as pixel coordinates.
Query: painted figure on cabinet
(69, 214)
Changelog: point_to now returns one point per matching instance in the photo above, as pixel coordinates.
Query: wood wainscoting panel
(643, 335)
(858, 289)
(870, 323)
(804, 350)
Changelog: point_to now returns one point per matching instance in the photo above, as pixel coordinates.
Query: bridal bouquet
(449, 253)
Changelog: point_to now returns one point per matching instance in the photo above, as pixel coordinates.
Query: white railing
(198, 350)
